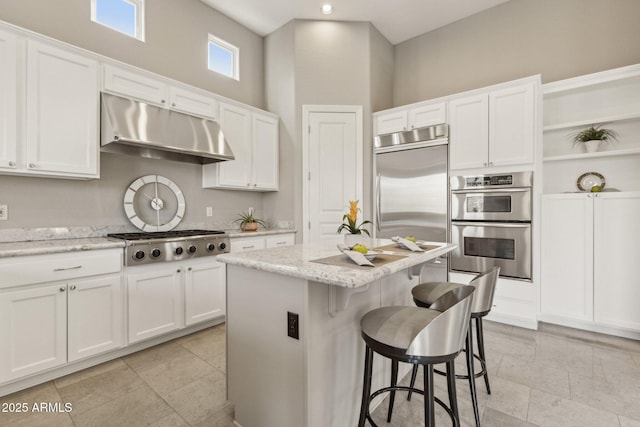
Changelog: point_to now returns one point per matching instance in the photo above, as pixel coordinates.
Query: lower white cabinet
(244, 244)
(46, 323)
(166, 297)
(589, 249)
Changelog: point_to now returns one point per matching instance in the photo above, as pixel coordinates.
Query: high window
(223, 57)
(125, 16)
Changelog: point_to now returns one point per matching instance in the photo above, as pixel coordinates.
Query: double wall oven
(491, 223)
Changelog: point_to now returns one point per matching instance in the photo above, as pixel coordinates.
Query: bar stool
(427, 295)
(421, 337)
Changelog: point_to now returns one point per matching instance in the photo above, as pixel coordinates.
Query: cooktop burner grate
(163, 234)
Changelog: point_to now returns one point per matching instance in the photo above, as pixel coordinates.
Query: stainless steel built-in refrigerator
(411, 188)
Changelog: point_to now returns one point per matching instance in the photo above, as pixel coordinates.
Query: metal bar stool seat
(428, 295)
(421, 337)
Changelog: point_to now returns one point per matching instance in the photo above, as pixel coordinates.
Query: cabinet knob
(72, 287)
(178, 271)
(12, 163)
(255, 185)
(163, 101)
(248, 184)
(62, 288)
(485, 163)
(189, 268)
(173, 104)
(32, 165)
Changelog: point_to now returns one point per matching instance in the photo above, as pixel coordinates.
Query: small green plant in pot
(593, 136)
(248, 222)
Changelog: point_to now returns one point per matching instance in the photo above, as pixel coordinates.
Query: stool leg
(451, 389)
(366, 386)
(471, 373)
(429, 403)
(394, 381)
(414, 374)
(483, 360)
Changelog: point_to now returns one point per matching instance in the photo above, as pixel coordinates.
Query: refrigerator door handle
(378, 201)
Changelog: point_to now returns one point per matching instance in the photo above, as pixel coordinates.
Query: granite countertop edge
(297, 261)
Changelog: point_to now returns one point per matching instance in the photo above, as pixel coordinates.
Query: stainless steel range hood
(135, 128)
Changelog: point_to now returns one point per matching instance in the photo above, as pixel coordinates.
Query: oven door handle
(492, 190)
(493, 224)
(378, 202)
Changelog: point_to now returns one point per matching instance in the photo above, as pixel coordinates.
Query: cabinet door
(236, 126)
(468, 132)
(265, 152)
(96, 316)
(205, 291)
(391, 122)
(511, 125)
(8, 119)
(567, 256)
(193, 103)
(33, 330)
(62, 112)
(135, 85)
(616, 285)
(155, 301)
(427, 115)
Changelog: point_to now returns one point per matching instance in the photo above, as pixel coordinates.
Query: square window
(125, 16)
(223, 57)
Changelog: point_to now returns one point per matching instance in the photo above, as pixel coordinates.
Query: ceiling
(397, 20)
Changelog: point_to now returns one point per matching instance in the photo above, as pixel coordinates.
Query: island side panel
(335, 350)
(265, 367)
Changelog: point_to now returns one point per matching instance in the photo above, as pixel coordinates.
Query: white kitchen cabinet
(205, 285)
(280, 240)
(156, 91)
(95, 316)
(54, 309)
(417, 116)
(167, 297)
(254, 140)
(8, 92)
(33, 330)
(589, 247)
(243, 244)
(493, 128)
(155, 301)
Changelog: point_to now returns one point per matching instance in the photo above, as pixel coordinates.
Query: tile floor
(551, 377)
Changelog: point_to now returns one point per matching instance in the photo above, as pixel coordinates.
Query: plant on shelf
(352, 217)
(248, 222)
(592, 136)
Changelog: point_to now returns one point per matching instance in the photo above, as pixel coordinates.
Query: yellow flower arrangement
(351, 218)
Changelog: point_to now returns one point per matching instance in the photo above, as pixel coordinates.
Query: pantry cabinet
(183, 293)
(59, 123)
(156, 91)
(589, 247)
(58, 308)
(254, 140)
(493, 128)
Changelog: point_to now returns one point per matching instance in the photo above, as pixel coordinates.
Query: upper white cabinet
(416, 116)
(254, 140)
(56, 134)
(8, 103)
(589, 250)
(156, 91)
(494, 128)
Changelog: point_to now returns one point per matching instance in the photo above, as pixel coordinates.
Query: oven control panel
(488, 180)
(504, 180)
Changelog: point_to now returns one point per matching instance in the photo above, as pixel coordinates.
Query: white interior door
(333, 167)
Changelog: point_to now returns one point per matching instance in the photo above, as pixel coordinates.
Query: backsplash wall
(43, 202)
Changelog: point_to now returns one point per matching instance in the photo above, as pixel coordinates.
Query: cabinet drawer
(243, 245)
(132, 84)
(17, 271)
(280, 240)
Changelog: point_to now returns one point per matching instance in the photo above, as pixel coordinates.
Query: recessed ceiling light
(326, 9)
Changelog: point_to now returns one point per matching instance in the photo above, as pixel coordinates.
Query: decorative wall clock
(154, 203)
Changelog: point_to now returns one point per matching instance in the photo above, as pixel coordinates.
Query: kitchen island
(294, 352)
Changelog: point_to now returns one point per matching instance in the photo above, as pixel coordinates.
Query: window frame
(139, 27)
(235, 56)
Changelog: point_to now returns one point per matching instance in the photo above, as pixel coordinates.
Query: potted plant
(354, 229)
(592, 136)
(248, 222)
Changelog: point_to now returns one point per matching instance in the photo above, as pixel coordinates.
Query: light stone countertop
(296, 261)
(261, 232)
(41, 247)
